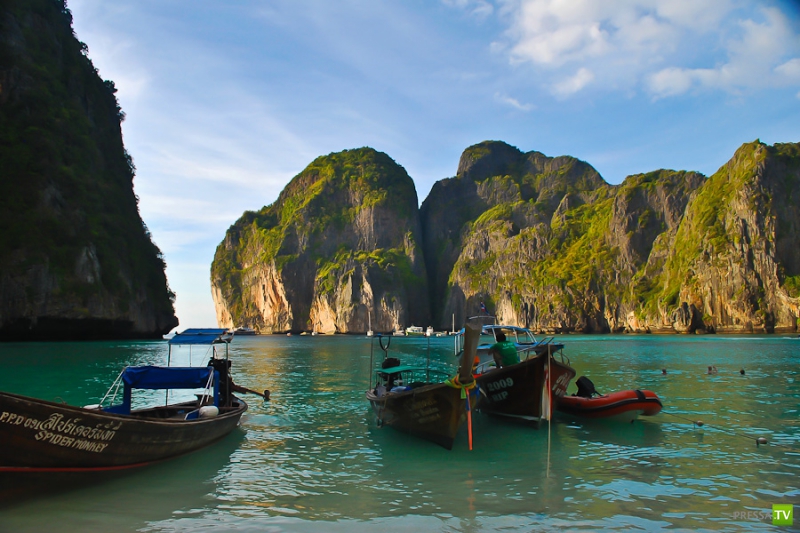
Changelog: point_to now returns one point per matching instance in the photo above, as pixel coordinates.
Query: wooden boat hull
(38, 435)
(433, 412)
(517, 391)
(623, 405)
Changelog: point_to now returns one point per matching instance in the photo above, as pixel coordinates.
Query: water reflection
(151, 493)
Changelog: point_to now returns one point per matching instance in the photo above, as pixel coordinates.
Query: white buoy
(699, 423)
(208, 411)
(760, 441)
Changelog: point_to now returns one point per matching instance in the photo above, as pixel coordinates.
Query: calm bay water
(312, 458)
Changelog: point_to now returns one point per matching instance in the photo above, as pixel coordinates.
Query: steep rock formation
(338, 248)
(485, 225)
(545, 242)
(76, 260)
(735, 256)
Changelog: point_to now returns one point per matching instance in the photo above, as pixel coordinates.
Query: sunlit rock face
(548, 244)
(542, 242)
(340, 249)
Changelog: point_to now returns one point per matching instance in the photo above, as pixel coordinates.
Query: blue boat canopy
(161, 377)
(199, 336)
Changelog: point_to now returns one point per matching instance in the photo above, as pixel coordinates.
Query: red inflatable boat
(626, 405)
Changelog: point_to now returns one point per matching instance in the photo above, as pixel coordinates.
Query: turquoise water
(312, 458)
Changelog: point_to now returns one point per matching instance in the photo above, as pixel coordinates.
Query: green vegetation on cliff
(347, 211)
(546, 242)
(67, 206)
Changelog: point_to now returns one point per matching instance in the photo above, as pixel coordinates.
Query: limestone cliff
(76, 260)
(340, 247)
(546, 243)
(735, 258)
(543, 242)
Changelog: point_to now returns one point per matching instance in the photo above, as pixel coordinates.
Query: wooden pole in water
(471, 337)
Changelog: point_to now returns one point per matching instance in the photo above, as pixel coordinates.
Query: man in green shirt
(503, 351)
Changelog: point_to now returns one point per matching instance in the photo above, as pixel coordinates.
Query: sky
(226, 101)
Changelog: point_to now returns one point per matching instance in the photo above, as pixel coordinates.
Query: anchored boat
(419, 400)
(43, 436)
(525, 390)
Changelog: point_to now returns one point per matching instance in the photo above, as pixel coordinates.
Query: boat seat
(390, 371)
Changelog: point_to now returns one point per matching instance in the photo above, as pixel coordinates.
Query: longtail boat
(43, 436)
(524, 391)
(419, 400)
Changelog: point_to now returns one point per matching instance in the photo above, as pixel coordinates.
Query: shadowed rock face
(544, 242)
(338, 250)
(76, 261)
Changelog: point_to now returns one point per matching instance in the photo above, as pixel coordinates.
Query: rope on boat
(469, 423)
(759, 440)
(465, 393)
(549, 408)
(207, 390)
(456, 384)
(115, 387)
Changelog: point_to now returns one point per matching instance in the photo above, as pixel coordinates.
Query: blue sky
(226, 101)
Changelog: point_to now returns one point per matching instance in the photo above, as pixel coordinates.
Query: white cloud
(575, 83)
(789, 70)
(478, 8)
(670, 81)
(201, 212)
(751, 61)
(513, 102)
(666, 47)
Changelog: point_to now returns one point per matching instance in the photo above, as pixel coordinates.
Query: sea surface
(312, 458)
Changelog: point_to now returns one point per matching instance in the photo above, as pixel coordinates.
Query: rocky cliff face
(76, 260)
(735, 256)
(546, 243)
(338, 250)
(543, 242)
(485, 227)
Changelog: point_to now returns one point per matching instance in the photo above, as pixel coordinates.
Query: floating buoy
(760, 441)
(699, 423)
(208, 411)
